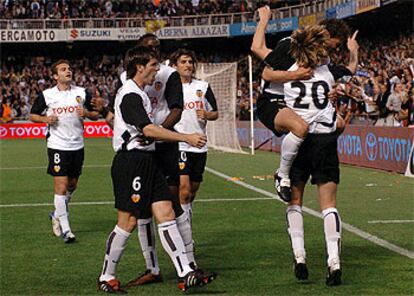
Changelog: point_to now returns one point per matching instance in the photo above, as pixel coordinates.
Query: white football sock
(333, 230)
(288, 151)
(146, 238)
(69, 195)
(173, 244)
(188, 208)
(61, 212)
(115, 246)
(294, 220)
(184, 227)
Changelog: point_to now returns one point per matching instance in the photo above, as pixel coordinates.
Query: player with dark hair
(63, 107)
(166, 96)
(200, 106)
(139, 185)
(270, 104)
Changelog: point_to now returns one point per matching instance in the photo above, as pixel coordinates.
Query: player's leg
(146, 238)
(333, 230)
(294, 220)
(299, 175)
(326, 175)
(185, 196)
(173, 244)
(60, 216)
(115, 246)
(287, 120)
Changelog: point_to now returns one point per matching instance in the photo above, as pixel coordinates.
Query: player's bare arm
(353, 48)
(158, 133)
(259, 47)
(51, 120)
(301, 73)
(207, 115)
(172, 118)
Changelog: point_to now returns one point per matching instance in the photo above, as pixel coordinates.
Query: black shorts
(268, 106)
(65, 163)
(166, 155)
(317, 157)
(137, 182)
(193, 165)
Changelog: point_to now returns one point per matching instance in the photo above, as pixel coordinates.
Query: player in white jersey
(167, 102)
(270, 105)
(138, 183)
(200, 106)
(63, 107)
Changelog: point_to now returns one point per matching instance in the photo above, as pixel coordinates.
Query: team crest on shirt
(199, 93)
(135, 198)
(78, 99)
(181, 165)
(158, 85)
(56, 168)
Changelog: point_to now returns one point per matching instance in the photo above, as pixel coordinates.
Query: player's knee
(163, 211)
(185, 194)
(301, 129)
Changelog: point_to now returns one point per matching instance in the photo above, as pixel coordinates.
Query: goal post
(222, 78)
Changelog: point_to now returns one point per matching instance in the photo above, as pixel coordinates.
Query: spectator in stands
(7, 112)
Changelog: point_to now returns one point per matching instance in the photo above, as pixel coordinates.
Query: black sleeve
(211, 99)
(133, 111)
(112, 98)
(88, 99)
(174, 91)
(340, 72)
(39, 105)
(280, 58)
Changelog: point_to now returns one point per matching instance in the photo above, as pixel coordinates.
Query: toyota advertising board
(385, 148)
(38, 130)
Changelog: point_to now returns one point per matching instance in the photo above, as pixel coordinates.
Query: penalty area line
(365, 235)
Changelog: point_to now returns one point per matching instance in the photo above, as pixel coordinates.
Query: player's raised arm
(353, 47)
(259, 47)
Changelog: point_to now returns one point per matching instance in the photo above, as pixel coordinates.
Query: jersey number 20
(314, 93)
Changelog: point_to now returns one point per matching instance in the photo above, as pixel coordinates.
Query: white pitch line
(365, 235)
(44, 167)
(390, 221)
(94, 203)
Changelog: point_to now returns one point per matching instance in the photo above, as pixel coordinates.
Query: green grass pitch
(244, 240)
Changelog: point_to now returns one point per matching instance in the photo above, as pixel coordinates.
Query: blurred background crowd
(64, 9)
(381, 93)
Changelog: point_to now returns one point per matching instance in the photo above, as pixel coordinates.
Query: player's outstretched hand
(264, 13)
(196, 140)
(303, 73)
(201, 114)
(352, 44)
(97, 102)
(81, 112)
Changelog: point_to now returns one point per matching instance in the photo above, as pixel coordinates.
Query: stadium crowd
(65, 9)
(381, 92)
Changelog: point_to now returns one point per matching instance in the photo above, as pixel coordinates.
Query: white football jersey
(194, 99)
(125, 135)
(67, 133)
(309, 99)
(156, 93)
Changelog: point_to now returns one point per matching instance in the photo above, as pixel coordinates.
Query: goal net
(222, 77)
